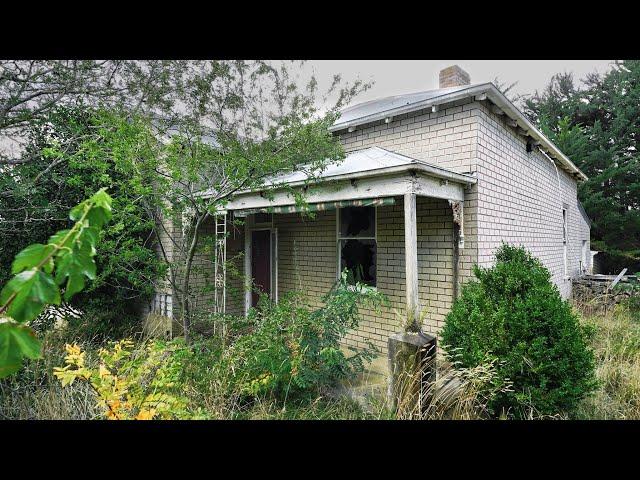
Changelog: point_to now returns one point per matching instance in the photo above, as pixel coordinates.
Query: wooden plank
(411, 255)
(617, 279)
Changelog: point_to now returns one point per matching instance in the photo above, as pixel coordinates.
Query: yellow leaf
(146, 414)
(72, 349)
(103, 371)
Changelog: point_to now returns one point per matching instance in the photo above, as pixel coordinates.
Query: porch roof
(369, 162)
(370, 173)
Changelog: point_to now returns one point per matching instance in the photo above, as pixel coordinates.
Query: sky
(394, 77)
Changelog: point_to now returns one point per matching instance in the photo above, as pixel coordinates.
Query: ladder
(220, 263)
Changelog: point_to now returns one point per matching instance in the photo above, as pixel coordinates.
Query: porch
(395, 222)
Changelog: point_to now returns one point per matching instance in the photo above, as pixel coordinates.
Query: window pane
(359, 258)
(357, 221)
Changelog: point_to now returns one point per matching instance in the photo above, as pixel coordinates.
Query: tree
(598, 127)
(31, 89)
(73, 152)
(201, 126)
(244, 122)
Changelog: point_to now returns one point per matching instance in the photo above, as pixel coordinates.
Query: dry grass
(35, 394)
(616, 344)
(456, 393)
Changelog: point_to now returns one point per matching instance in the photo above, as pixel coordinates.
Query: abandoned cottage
(432, 183)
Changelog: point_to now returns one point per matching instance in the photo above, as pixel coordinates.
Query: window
(584, 267)
(357, 244)
(565, 235)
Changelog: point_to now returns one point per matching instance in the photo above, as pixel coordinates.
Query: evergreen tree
(598, 127)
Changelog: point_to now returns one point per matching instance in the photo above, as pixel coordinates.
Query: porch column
(411, 258)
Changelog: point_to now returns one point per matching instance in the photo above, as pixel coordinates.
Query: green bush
(293, 349)
(515, 314)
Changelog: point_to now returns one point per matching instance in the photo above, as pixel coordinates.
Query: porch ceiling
(371, 173)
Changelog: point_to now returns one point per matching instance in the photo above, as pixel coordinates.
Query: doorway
(262, 262)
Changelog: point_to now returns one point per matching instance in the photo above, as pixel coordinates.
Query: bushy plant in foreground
(513, 313)
(293, 348)
(132, 382)
(280, 352)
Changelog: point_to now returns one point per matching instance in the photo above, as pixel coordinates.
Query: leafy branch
(39, 273)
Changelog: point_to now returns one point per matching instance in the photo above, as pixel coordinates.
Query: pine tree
(598, 127)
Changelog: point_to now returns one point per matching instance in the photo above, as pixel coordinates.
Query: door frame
(273, 261)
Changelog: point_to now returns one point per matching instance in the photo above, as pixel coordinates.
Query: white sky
(393, 77)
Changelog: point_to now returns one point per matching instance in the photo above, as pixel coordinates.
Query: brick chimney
(454, 76)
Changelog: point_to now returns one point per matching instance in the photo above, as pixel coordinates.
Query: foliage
(239, 123)
(76, 151)
(598, 127)
(40, 270)
(33, 392)
(283, 351)
(514, 313)
(293, 349)
(616, 344)
(131, 384)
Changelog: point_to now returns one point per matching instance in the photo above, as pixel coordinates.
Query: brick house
(432, 183)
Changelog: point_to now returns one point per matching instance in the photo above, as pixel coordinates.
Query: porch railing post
(411, 259)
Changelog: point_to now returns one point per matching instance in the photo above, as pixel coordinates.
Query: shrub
(293, 349)
(132, 381)
(514, 313)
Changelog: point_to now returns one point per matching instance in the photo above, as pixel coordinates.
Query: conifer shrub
(514, 314)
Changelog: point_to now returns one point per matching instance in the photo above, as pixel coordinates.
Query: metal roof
(373, 161)
(370, 162)
(375, 110)
(365, 109)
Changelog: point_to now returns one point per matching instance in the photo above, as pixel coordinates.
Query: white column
(411, 255)
(247, 263)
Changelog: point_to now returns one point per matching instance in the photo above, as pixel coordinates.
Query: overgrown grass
(457, 393)
(615, 340)
(35, 394)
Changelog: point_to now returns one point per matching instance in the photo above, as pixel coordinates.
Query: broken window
(357, 244)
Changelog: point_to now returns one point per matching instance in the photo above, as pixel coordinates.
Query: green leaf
(100, 212)
(74, 266)
(31, 290)
(102, 199)
(57, 238)
(77, 212)
(31, 256)
(16, 341)
(98, 216)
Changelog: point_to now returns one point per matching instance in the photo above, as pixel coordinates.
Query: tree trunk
(186, 310)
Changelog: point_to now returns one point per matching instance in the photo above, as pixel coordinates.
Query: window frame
(339, 239)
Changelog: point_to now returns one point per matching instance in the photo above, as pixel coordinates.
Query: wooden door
(260, 263)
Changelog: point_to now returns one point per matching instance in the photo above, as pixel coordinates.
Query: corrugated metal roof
(360, 161)
(380, 105)
(368, 162)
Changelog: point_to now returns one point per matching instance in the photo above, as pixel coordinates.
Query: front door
(260, 263)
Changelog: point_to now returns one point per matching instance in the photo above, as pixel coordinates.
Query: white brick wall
(520, 201)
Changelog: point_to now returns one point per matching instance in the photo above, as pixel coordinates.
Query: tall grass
(35, 394)
(615, 339)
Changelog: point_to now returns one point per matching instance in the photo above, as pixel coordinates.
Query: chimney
(454, 76)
